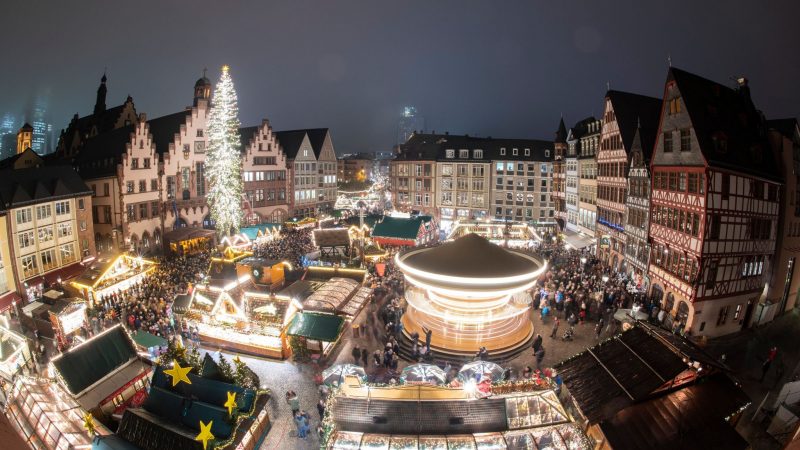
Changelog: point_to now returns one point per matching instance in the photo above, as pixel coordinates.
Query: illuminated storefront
(117, 274)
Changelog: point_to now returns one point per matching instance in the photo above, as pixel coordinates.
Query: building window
(142, 186)
(463, 154)
(547, 153)
(200, 133)
(527, 152)
(64, 230)
(146, 163)
(171, 187)
(67, 253)
(24, 216)
(131, 210)
(154, 209)
(43, 212)
(129, 187)
(478, 154)
(723, 315)
(49, 260)
(29, 266)
(201, 179)
(686, 140)
(105, 189)
(83, 225)
(62, 208)
(134, 163)
(675, 106)
(667, 141)
(502, 150)
(143, 211)
(514, 152)
(26, 239)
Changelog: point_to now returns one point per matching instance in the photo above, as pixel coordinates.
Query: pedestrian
(765, 368)
(773, 352)
(539, 357)
(428, 334)
(356, 353)
(598, 329)
(293, 401)
(556, 322)
(321, 408)
(377, 357)
(537, 343)
(365, 357)
(302, 425)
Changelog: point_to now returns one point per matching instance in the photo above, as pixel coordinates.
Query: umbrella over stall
(470, 370)
(423, 374)
(336, 374)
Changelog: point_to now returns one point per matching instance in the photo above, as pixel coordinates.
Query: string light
(223, 157)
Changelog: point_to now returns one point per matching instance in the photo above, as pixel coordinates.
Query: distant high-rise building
(42, 129)
(8, 135)
(410, 122)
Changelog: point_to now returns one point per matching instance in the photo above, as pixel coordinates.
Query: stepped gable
(471, 256)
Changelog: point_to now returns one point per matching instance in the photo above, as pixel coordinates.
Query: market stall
(14, 353)
(315, 333)
(189, 240)
(67, 317)
(149, 343)
(111, 275)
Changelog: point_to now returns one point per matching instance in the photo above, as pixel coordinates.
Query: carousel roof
(471, 256)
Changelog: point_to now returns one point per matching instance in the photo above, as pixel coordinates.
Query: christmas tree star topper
(179, 373)
(231, 403)
(88, 423)
(205, 433)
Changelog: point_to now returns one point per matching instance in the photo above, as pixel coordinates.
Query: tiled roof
(290, 141)
(434, 147)
(633, 110)
(100, 155)
(717, 111)
(246, 135)
(20, 187)
(163, 129)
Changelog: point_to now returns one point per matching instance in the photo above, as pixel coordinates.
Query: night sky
(468, 67)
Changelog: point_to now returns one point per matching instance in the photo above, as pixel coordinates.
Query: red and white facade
(713, 223)
(612, 185)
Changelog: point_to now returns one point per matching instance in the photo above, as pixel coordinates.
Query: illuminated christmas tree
(223, 157)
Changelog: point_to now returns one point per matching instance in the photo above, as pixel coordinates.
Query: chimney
(744, 90)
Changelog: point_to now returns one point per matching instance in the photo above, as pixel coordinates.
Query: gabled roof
(163, 129)
(20, 187)
(633, 110)
(98, 357)
(317, 138)
(104, 121)
(100, 155)
(290, 141)
(398, 227)
(12, 160)
(717, 111)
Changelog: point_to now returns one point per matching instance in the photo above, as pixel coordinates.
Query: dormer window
(547, 153)
(463, 153)
(514, 152)
(478, 154)
(450, 153)
(527, 152)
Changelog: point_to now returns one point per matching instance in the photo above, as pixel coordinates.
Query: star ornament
(88, 423)
(205, 434)
(231, 403)
(178, 373)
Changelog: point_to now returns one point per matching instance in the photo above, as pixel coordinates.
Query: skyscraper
(8, 135)
(42, 129)
(410, 122)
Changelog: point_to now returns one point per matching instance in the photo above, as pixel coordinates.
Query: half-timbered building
(622, 113)
(714, 205)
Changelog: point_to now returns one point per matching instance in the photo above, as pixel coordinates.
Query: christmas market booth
(332, 242)
(148, 342)
(67, 317)
(511, 415)
(620, 387)
(263, 232)
(14, 353)
(189, 240)
(515, 234)
(314, 334)
(47, 418)
(405, 231)
(109, 275)
(105, 374)
(196, 404)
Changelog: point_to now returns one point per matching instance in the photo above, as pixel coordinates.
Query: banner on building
(605, 241)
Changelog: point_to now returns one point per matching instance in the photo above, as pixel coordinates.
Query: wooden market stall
(110, 275)
(189, 240)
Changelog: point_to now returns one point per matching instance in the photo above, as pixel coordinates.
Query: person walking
(556, 322)
(293, 401)
(365, 357)
(598, 329)
(539, 357)
(428, 335)
(537, 343)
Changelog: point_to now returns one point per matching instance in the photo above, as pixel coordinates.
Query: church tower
(100, 104)
(24, 138)
(202, 89)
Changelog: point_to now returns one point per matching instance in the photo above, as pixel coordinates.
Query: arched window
(669, 302)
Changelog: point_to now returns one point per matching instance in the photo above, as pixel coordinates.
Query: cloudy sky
(500, 68)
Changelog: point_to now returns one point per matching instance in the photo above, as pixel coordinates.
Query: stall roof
(148, 340)
(252, 232)
(404, 228)
(332, 237)
(181, 303)
(621, 371)
(691, 417)
(320, 327)
(299, 290)
(89, 362)
(182, 234)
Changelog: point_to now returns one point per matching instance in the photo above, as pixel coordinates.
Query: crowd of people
(292, 245)
(145, 305)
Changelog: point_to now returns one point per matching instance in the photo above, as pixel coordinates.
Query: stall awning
(65, 273)
(320, 327)
(577, 240)
(148, 340)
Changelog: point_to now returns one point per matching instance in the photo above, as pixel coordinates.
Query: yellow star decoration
(88, 423)
(205, 433)
(178, 373)
(231, 403)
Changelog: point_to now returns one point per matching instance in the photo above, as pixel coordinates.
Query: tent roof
(148, 340)
(332, 237)
(320, 327)
(398, 227)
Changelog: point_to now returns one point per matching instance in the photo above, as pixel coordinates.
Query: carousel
(470, 294)
(512, 234)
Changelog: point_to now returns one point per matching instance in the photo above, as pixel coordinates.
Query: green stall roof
(89, 362)
(320, 327)
(148, 340)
